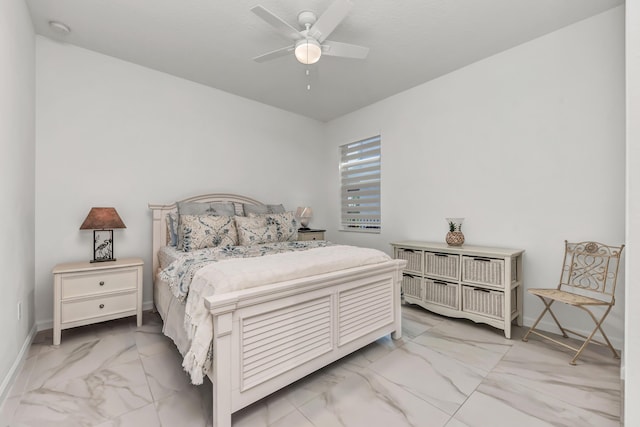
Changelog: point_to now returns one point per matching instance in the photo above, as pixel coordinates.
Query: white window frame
(360, 180)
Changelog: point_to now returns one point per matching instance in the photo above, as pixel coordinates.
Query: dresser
(480, 283)
(85, 293)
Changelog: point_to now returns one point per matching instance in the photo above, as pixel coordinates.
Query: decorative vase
(454, 236)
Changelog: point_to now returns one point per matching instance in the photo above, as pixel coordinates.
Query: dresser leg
(507, 331)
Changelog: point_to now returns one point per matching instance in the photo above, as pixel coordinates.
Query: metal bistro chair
(588, 278)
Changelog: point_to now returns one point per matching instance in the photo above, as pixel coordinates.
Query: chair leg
(547, 307)
(598, 327)
(555, 319)
(526, 336)
(588, 339)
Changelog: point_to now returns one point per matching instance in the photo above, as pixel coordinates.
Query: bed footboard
(268, 337)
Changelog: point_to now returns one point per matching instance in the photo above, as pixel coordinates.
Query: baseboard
(17, 365)
(43, 325)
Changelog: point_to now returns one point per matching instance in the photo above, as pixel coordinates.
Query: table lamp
(102, 221)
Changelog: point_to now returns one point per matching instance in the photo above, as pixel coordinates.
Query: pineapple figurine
(454, 236)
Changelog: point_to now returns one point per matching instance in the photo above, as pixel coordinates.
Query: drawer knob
(102, 283)
(101, 305)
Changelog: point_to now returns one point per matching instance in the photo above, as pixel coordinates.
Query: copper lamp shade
(102, 221)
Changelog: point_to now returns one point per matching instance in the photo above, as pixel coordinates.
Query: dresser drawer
(412, 286)
(483, 271)
(414, 259)
(94, 283)
(443, 265)
(96, 307)
(442, 293)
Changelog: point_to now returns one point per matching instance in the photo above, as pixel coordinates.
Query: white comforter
(237, 274)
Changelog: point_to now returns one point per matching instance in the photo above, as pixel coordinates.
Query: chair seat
(567, 297)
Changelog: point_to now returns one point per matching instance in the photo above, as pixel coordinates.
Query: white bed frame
(270, 336)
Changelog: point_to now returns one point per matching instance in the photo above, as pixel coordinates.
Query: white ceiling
(212, 42)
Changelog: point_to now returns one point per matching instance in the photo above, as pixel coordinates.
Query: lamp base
(304, 229)
(103, 246)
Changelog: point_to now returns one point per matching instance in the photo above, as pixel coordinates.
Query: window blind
(360, 185)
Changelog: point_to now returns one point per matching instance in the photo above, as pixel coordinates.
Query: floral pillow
(207, 231)
(286, 225)
(254, 230)
(201, 208)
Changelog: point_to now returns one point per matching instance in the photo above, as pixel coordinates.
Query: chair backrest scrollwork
(591, 268)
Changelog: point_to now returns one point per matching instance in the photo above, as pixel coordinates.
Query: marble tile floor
(443, 373)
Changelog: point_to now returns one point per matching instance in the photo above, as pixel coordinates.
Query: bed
(267, 336)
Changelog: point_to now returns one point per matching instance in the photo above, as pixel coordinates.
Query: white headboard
(159, 235)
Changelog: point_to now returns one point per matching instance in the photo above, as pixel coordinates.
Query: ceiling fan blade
(274, 54)
(330, 19)
(275, 21)
(344, 50)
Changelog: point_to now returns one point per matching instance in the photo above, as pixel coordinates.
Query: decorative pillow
(286, 224)
(261, 209)
(200, 208)
(172, 228)
(207, 231)
(255, 230)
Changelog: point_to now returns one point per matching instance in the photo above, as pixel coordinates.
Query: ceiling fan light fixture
(308, 51)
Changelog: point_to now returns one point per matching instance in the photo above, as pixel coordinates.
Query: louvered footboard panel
(364, 309)
(279, 340)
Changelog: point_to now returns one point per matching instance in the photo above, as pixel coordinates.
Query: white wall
(110, 133)
(17, 187)
(527, 145)
(632, 335)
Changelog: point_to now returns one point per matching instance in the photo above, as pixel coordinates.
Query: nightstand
(85, 293)
(311, 234)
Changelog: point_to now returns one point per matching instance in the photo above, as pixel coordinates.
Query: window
(360, 185)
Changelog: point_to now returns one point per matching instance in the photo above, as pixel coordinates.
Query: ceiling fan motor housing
(307, 18)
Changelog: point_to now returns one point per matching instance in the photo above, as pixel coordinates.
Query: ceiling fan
(310, 43)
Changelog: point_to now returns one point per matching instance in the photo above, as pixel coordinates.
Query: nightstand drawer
(97, 307)
(310, 235)
(98, 283)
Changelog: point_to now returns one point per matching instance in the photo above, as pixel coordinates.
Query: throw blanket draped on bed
(237, 274)
(180, 272)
